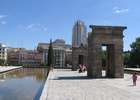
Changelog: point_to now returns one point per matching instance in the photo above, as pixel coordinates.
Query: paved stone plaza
(71, 85)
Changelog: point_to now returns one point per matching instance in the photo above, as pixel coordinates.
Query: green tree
(2, 61)
(50, 55)
(135, 52)
(104, 58)
(126, 56)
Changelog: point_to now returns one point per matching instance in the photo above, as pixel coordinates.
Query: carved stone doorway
(112, 38)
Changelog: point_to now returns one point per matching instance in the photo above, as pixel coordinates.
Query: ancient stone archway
(112, 37)
(79, 56)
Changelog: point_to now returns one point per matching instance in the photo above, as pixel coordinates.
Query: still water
(22, 84)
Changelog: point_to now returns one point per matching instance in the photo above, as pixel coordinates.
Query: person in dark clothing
(134, 77)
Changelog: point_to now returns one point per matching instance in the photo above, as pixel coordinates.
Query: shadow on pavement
(131, 85)
(77, 78)
(71, 78)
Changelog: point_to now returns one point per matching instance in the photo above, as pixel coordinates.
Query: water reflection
(22, 84)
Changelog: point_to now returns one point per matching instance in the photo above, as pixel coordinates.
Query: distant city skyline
(25, 23)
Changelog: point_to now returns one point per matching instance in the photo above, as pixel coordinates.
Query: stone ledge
(4, 69)
(44, 93)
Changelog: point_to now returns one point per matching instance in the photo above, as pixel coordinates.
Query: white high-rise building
(79, 35)
(3, 52)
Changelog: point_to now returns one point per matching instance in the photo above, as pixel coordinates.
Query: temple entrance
(107, 60)
(79, 56)
(80, 59)
(104, 60)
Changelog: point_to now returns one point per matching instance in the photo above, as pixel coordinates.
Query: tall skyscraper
(79, 35)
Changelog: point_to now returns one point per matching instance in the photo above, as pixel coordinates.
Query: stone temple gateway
(79, 56)
(112, 38)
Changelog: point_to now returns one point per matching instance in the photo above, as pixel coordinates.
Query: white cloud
(34, 27)
(116, 7)
(118, 10)
(30, 26)
(45, 29)
(3, 16)
(3, 22)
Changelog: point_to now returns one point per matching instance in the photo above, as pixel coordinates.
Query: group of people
(82, 68)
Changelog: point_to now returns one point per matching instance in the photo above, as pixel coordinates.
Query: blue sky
(24, 23)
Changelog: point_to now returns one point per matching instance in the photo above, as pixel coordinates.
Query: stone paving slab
(71, 85)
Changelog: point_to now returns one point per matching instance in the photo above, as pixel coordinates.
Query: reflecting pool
(22, 84)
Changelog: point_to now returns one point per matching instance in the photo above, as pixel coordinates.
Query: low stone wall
(46, 86)
(8, 68)
(132, 70)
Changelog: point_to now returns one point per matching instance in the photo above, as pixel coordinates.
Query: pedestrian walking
(134, 77)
